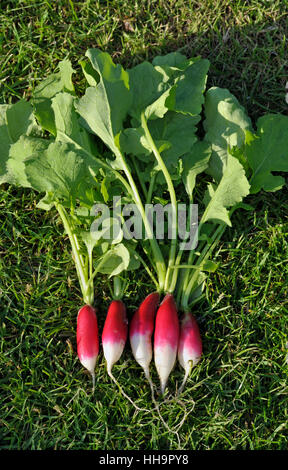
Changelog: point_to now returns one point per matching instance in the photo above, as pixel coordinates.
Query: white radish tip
(89, 363)
(112, 352)
(163, 386)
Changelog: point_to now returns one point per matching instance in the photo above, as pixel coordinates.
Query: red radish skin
(115, 333)
(87, 338)
(141, 330)
(114, 337)
(190, 345)
(166, 337)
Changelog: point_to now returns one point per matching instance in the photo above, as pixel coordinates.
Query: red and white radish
(190, 345)
(87, 338)
(141, 330)
(115, 333)
(114, 337)
(166, 337)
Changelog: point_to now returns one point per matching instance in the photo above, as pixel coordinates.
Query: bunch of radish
(133, 135)
(171, 337)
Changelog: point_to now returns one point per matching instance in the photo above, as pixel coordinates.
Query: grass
(237, 398)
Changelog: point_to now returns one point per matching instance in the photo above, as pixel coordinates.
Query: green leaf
(209, 266)
(90, 73)
(194, 163)
(21, 120)
(187, 96)
(109, 231)
(46, 203)
(172, 59)
(231, 189)
(47, 89)
(89, 240)
(134, 262)
(15, 120)
(158, 108)
(267, 152)
(23, 149)
(171, 82)
(226, 124)
(105, 106)
(146, 86)
(67, 123)
(133, 141)
(58, 170)
(117, 261)
(178, 130)
(6, 141)
(198, 289)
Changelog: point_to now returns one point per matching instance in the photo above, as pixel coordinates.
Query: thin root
(125, 395)
(148, 377)
(187, 373)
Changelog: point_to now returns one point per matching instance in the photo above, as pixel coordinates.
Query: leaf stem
(99, 266)
(158, 257)
(144, 189)
(117, 288)
(173, 199)
(86, 288)
(178, 260)
(148, 270)
(151, 187)
(189, 283)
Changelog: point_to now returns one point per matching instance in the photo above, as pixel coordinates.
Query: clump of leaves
(134, 134)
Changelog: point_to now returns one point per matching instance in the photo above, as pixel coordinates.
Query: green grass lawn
(236, 398)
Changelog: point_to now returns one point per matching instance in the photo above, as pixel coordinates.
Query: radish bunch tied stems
(151, 135)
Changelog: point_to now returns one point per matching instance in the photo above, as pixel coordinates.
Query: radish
(190, 345)
(166, 338)
(114, 337)
(141, 330)
(115, 333)
(87, 338)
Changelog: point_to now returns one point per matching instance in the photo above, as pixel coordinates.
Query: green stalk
(131, 188)
(118, 293)
(185, 276)
(205, 254)
(186, 284)
(144, 189)
(173, 199)
(90, 261)
(177, 262)
(151, 187)
(175, 272)
(158, 257)
(148, 271)
(99, 266)
(86, 288)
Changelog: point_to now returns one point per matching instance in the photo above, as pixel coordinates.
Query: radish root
(124, 394)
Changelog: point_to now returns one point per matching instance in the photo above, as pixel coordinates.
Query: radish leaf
(267, 152)
(231, 189)
(15, 120)
(194, 163)
(47, 89)
(58, 170)
(226, 124)
(105, 106)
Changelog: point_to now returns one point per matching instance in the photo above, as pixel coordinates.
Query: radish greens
(148, 135)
